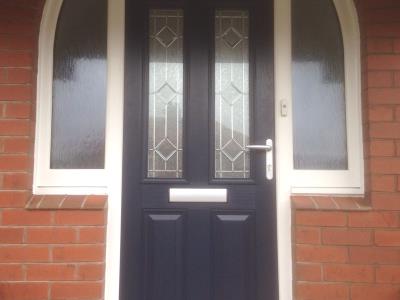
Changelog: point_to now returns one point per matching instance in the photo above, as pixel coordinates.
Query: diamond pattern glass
(165, 94)
(231, 94)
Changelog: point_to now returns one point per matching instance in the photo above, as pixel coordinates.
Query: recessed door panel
(234, 256)
(164, 238)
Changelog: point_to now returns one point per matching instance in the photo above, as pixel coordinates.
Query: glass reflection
(319, 122)
(79, 86)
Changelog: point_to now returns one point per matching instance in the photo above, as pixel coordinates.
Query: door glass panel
(231, 94)
(319, 123)
(165, 94)
(79, 86)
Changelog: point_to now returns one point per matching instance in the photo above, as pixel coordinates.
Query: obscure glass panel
(165, 94)
(231, 94)
(79, 86)
(319, 122)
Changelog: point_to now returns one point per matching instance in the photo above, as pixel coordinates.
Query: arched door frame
(114, 130)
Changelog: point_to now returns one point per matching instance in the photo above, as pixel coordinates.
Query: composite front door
(199, 213)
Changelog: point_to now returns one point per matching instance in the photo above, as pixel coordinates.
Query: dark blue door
(199, 212)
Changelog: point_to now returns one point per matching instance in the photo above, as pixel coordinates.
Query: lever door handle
(269, 159)
(259, 147)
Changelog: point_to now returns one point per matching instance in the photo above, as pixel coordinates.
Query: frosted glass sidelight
(79, 86)
(165, 94)
(319, 121)
(232, 160)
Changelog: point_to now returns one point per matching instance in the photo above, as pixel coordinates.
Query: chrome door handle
(269, 159)
(259, 147)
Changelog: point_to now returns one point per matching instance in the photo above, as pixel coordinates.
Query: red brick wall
(350, 254)
(342, 254)
(44, 255)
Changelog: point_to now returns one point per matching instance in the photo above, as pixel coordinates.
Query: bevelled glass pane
(165, 94)
(319, 122)
(231, 94)
(79, 86)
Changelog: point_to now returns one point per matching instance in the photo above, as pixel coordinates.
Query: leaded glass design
(231, 94)
(165, 94)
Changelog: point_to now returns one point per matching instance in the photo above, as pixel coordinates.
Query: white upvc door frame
(283, 144)
(114, 148)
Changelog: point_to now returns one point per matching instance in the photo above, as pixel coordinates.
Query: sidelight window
(71, 126)
(319, 104)
(327, 145)
(79, 87)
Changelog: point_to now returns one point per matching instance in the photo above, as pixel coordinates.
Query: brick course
(344, 248)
